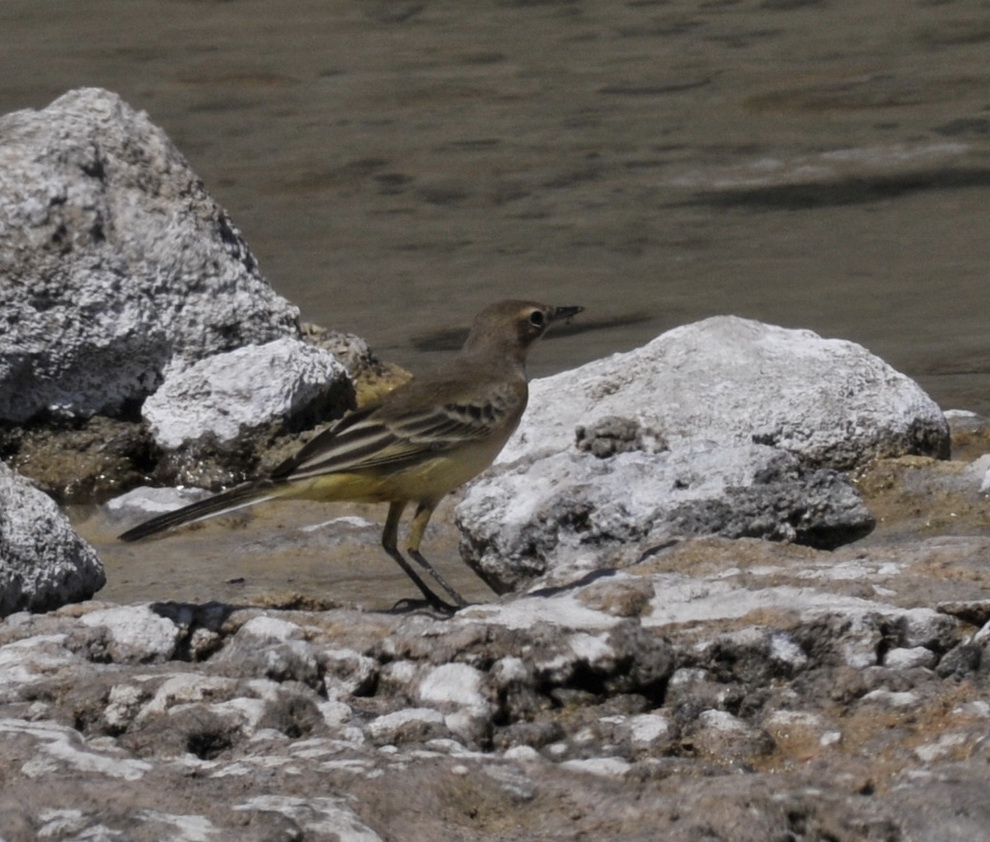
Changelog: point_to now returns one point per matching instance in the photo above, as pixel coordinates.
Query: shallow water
(397, 165)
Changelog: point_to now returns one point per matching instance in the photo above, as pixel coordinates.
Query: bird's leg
(390, 541)
(422, 517)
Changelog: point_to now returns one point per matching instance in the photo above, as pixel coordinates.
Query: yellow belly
(425, 481)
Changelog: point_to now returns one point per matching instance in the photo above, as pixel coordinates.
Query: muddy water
(396, 165)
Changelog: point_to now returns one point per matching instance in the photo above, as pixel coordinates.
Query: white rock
(609, 767)
(647, 730)
(185, 688)
(979, 471)
(145, 501)
(592, 650)
(30, 661)
(722, 720)
(241, 714)
(181, 828)
(136, 633)
(890, 698)
(755, 417)
(43, 563)
(458, 690)
(560, 610)
(123, 704)
(119, 266)
(399, 674)
(458, 685)
(916, 656)
(228, 394)
(335, 713)
(63, 750)
(734, 381)
(945, 746)
(317, 817)
(721, 735)
(265, 629)
(794, 719)
(522, 754)
(392, 727)
(507, 671)
(785, 650)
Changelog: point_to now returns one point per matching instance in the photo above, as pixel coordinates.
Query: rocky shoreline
(742, 586)
(723, 689)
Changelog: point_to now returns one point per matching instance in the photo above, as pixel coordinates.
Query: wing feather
(376, 437)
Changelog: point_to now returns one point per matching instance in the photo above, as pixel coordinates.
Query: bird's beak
(561, 314)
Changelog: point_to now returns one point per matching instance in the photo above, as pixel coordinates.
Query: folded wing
(374, 437)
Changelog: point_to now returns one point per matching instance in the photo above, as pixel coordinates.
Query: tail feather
(228, 501)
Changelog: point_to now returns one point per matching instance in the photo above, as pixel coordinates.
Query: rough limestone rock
(754, 691)
(229, 394)
(607, 512)
(735, 381)
(727, 427)
(43, 563)
(117, 266)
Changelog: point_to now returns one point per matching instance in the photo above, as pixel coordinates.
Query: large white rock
(736, 381)
(43, 563)
(117, 266)
(757, 419)
(229, 394)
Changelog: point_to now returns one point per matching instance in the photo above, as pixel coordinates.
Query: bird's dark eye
(537, 319)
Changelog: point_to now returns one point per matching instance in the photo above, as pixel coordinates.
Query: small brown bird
(415, 445)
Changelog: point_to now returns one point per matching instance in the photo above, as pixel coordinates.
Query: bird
(414, 445)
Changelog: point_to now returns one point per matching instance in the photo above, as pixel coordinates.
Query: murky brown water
(397, 165)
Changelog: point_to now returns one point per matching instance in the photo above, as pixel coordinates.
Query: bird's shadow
(586, 579)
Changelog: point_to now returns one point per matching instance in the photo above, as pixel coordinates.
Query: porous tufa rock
(727, 426)
(44, 564)
(120, 268)
(735, 381)
(575, 509)
(230, 394)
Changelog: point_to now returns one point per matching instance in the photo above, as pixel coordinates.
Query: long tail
(228, 501)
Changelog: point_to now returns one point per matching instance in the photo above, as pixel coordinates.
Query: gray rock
(693, 690)
(406, 726)
(230, 394)
(734, 381)
(347, 673)
(43, 562)
(926, 627)
(271, 648)
(721, 735)
(120, 268)
(574, 509)
(649, 733)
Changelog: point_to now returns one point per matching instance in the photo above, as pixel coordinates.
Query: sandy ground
(293, 553)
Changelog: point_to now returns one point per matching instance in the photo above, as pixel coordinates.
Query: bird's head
(513, 326)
